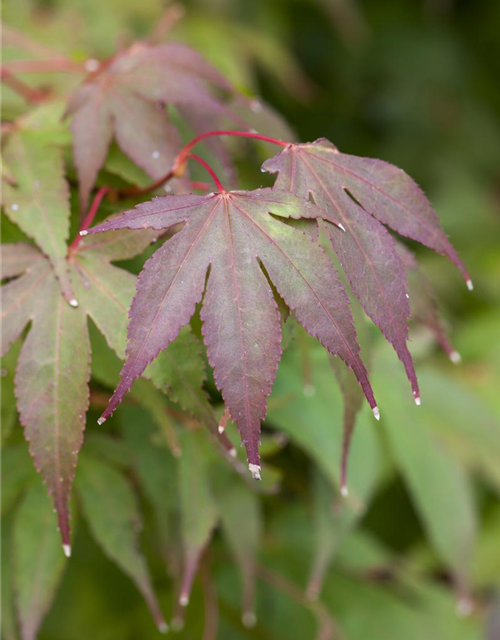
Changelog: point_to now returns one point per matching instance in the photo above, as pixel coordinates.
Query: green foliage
(159, 499)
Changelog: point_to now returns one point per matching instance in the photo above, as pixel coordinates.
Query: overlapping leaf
(54, 366)
(230, 235)
(113, 516)
(366, 194)
(125, 100)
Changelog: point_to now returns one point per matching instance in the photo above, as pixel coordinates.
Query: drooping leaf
(8, 620)
(38, 562)
(157, 473)
(39, 200)
(438, 485)
(112, 513)
(125, 99)
(423, 302)
(366, 194)
(351, 393)
(54, 366)
(199, 512)
(240, 516)
(51, 378)
(315, 424)
(231, 233)
(17, 474)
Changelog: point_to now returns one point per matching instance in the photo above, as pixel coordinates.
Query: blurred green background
(416, 83)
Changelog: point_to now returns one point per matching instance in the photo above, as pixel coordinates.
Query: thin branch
(87, 221)
(183, 154)
(209, 169)
(55, 65)
(25, 91)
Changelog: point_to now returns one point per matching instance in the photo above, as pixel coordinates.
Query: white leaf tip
(101, 420)
(221, 428)
(67, 550)
(344, 491)
(249, 619)
(455, 357)
(163, 627)
(341, 226)
(84, 232)
(233, 453)
(376, 413)
(255, 471)
(464, 606)
(73, 302)
(470, 285)
(184, 601)
(418, 401)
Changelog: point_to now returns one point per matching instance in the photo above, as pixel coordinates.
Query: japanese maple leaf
(366, 194)
(54, 364)
(239, 239)
(125, 100)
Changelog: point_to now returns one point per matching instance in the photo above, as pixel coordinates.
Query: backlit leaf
(112, 513)
(38, 561)
(362, 193)
(231, 232)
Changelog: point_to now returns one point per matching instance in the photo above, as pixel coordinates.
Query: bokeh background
(416, 83)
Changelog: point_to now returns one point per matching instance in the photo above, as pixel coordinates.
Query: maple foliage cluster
(246, 261)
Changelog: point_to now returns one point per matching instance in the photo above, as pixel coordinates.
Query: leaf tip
(249, 619)
(177, 623)
(101, 420)
(233, 453)
(341, 226)
(84, 232)
(67, 550)
(418, 401)
(455, 357)
(73, 302)
(221, 428)
(464, 606)
(255, 471)
(376, 413)
(344, 491)
(470, 284)
(163, 627)
(184, 600)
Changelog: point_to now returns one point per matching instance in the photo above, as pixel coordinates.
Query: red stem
(243, 134)
(87, 221)
(42, 66)
(208, 168)
(21, 88)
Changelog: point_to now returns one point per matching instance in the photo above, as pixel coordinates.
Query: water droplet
(91, 65)
(255, 471)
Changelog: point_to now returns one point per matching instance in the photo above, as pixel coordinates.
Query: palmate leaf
(366, 194)
(53, 370)
(230, 235)
(125, 100)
